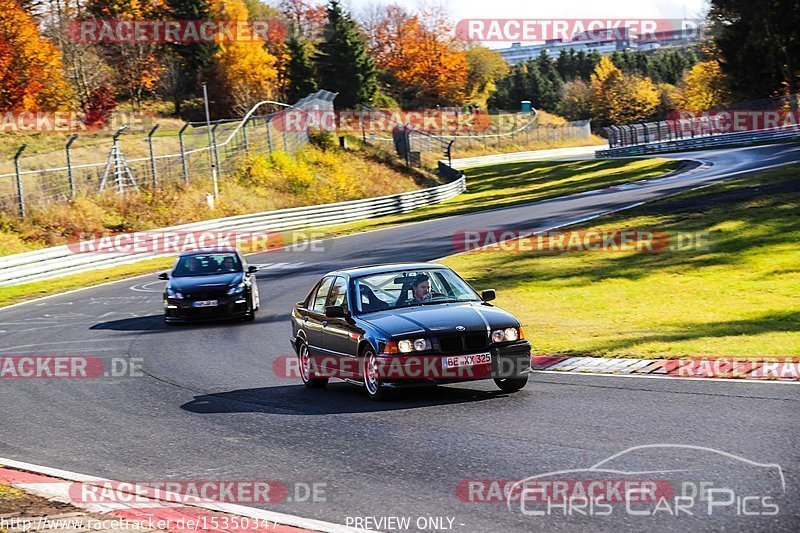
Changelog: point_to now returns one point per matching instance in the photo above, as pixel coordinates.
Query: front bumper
(234, 306)
(508, 361)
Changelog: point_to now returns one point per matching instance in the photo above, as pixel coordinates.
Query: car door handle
(325, 324)
(305, 319)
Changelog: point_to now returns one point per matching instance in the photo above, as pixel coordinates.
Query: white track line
(251, 512)
(658, 376)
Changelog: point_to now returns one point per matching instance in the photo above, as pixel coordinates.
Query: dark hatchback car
(208, 285)
(407, 325)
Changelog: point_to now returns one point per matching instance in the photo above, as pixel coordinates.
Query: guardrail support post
(183, 153)
(69, 166)
(152, 155)
(20, 194)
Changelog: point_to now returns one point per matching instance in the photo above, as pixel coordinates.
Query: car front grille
(464, 343)
(206, 295)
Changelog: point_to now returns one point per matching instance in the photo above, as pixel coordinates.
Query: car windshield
(406, 288)
(207, 265)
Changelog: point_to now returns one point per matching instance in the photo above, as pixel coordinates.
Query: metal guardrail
(62, 261)
(702, 142)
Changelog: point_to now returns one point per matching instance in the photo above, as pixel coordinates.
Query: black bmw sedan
(406, 325)
(210, 284)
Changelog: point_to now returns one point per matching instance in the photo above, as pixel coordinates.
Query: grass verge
(738, 298)
(488, 187)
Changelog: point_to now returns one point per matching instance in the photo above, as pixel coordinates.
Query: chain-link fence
(123, 162)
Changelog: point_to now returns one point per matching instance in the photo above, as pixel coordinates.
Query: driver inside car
(421, 290)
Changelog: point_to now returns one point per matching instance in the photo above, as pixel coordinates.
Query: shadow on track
(156, 323)
(337, 398)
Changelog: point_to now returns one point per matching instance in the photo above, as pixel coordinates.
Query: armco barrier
(709, 141)
(61, 261)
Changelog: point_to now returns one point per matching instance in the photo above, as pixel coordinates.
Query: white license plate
(457, 361)
(205, 303)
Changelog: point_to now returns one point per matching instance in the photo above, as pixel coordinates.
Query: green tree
(193, 58)
(300, 69)
(759, 45)
(342, 62)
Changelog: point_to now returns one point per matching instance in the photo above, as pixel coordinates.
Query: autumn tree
(619, 98)
(420, 54)
(484, 68)
(576, 100)
(136, 64)
(342, 62)
(703, 88)
(31, 71)
(244, 71)
(306, 18)
(85, 69)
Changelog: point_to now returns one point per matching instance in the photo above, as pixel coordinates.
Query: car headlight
(505, 335)
(172, 293)
(236, 289)
(407, 345)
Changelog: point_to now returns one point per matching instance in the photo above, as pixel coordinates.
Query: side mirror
(252, 269)
(335, 311)
(488, 295)
(164, 276)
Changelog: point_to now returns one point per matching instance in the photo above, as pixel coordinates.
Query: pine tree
(342, 62)
(194, 57)
(300, 70)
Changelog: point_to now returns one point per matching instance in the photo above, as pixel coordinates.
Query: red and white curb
(720, 368)
(54, 485)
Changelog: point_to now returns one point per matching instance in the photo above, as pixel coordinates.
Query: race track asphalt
(211, 407)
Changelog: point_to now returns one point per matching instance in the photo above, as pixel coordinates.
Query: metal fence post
(152, 155)
(69, 166)
(244, 136)
(20, 194)
(269, 135)
(215, 153)
(183, 153)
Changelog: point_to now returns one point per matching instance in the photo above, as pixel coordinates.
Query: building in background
(517, 53)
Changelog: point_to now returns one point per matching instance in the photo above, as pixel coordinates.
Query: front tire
(511, 384)
(251, 311)
(374, 386)
(305, 370)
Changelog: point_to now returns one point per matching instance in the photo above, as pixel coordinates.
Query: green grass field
(488, 187)
(740, 297)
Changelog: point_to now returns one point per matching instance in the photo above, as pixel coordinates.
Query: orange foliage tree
(137, 64)
(420, 58)
(244, 70)
(31, 72)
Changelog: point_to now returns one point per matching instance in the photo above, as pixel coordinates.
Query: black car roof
(381, 269)
(210, 251)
